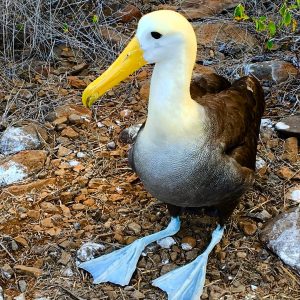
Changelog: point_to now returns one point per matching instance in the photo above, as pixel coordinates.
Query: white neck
(171, 110)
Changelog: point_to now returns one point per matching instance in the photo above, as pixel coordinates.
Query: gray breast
(186, 174)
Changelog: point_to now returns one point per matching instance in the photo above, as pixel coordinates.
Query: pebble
(294, 193)
(136, 228)
(20, 297)
(69, 132)
(67, 272)
(248, 227)
(167, 268)
(88, 251)
(81, 154)
(189, 240)
(291, 149)
(111, 145)
(166, 242)
(14, 246)
(137, 295)
(6, 271)
(289, 126)
(1, 293)
(63, 151)
(22, 286)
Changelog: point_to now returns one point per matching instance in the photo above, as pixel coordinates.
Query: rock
(20, 297)
(128, 13)
(294, 194)
(281, 235)
(291, 149)
(113, 35)
(65, 258)
(49, 207)
(189, 240)
(145, 90)
(285, 172)
(21, 165)
(266, 123)
(289, 126)
(225, 37)
(26, 188)
(78, 206)
(22, 286)
(68, 272)
(248, 227)
(28, 270)
(6, 271)
(78, 68)
(69, 132)
(260, 166)
(1, 293)
(137, 295)
(68, 110)
(89, 250)
(128, 135)
(22, 241)
(198, 9)
(166, 242)
(63, 151)
(27, 137)
(276, 70)
(136, 228)
(111, 145)
(167, 268)
(76, 82)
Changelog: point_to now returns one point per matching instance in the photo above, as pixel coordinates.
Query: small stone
(28, 270)
(136, 228)
(14, 246)
(190, 255)
(20, 297)
(241, 254)
(76, 82)
(111, 145)
(81, 154)
(59, 121)
(130, 12)
(47, 222)
(189, 240)
(173, 256)
(130, 239)
(69, 132)
(293, 193)
(289, 126)
(119, 238)
(22, 241)
(281, 236)
(63, 151)
(167, 268)
(67, 272)
(137, 295)
(6, 271)
(65, 258)
(34, 214)
(77, 226)
(22, 286)
(291, 149)
(166, 242)
(248, 227)
(78, 206)
(285, 172)
(126, 113)
(89, 202)
(49, 207)
(89, 250)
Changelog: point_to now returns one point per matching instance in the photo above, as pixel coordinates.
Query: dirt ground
(99, 199)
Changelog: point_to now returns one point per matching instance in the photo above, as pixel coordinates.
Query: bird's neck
(171, 109)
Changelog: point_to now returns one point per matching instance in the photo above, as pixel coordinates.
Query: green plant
(95, 19)
(269, 26)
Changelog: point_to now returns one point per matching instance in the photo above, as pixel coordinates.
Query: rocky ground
(67, 193)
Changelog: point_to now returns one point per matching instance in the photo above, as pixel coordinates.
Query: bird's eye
(156, 35)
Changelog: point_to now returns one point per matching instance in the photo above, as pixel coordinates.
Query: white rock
(281, 126)
(74, 163)
(81, 154)
(260, 163)
(13, 173)
(186, 246)
(1, 293)
(266, 123)
(16, 139)
(88, 250)
(166, 242)
(295, 195)
(67, 272)
(20, 297)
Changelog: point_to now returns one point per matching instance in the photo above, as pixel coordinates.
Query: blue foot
(117, 267)
(186, 283)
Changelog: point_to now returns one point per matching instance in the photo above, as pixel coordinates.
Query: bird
(196, 149)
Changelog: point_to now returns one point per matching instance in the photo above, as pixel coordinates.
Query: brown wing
(235, 115)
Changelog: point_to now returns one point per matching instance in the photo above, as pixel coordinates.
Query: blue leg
(186, 283)
(117, 267)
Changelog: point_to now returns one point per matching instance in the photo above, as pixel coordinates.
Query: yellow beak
(130, 60)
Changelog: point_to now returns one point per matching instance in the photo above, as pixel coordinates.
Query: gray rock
(22, 286)
(289, 126)
(6, 271)
(135, 227)
(276, 70)
(1, 293)
(128, 135)
(88, 251)
(27, 137)
(282, 236)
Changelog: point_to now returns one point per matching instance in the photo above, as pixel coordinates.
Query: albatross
(196, 149)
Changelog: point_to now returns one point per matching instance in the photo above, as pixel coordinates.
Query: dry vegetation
(41, 43)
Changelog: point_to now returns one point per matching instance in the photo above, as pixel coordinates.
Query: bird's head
(159, 36)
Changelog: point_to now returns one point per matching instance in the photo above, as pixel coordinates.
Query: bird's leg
(186, 283)
(117, 267)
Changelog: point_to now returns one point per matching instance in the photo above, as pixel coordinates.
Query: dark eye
(156, 35)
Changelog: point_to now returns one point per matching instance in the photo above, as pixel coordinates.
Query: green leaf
(239, 11)
(65, 28)
(298, 3)
(95, 19)
(259, 25)
(282, 10)
(263, 18)
(293, 6)
(287, 19)
(270, 44)
(272, 28)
